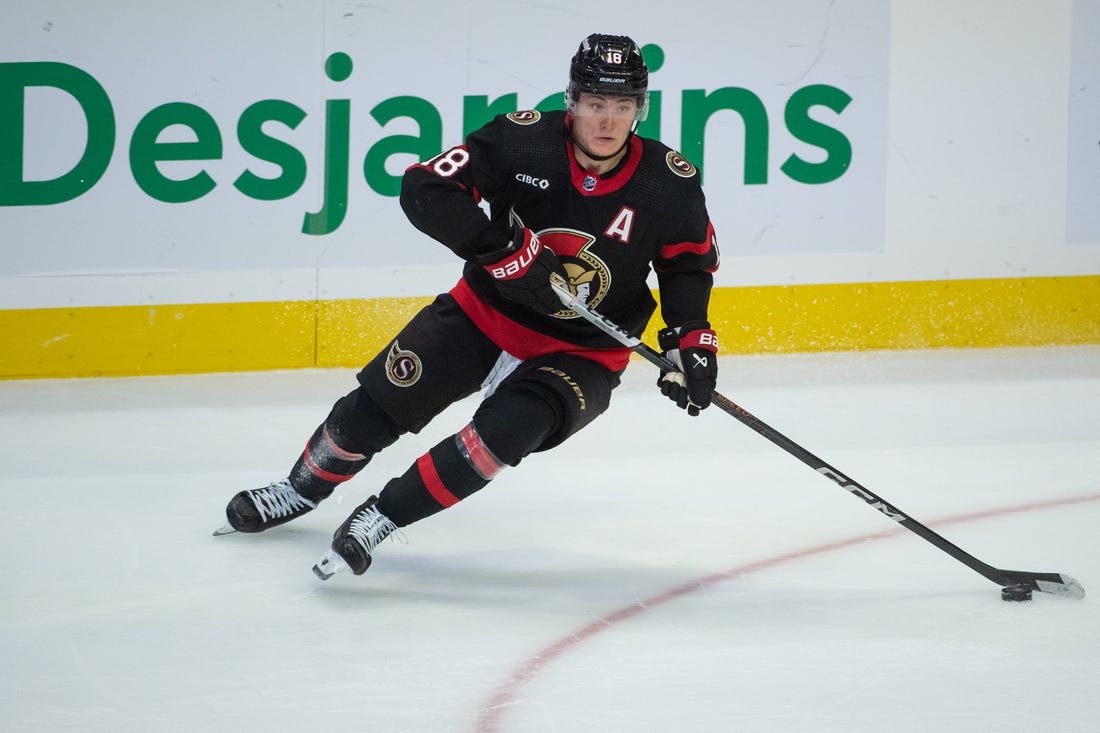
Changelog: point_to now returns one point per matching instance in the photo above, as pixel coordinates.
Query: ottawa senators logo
(526, 117)
(403, 368)
(587, 274)
(680, 165)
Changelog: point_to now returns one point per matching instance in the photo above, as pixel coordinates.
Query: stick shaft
(1047, 582)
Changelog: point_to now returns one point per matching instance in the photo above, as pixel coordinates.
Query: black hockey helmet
(609, 65)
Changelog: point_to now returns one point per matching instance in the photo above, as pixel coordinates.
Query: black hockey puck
(1019, 592)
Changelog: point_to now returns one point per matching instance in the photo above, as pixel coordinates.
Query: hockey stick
(1054, 583)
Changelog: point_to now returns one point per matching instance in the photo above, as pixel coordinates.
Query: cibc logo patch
(403, 368)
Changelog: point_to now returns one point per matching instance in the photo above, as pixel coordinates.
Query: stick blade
(1064, 586)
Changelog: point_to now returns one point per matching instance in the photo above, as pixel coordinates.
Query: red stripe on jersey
(426, 466)
(522, 342)
(701, 249)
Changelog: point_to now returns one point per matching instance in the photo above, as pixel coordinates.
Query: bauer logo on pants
(403, 368)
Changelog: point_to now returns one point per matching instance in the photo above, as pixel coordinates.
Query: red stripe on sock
(426, 466)
(337, 450)
(336, 478)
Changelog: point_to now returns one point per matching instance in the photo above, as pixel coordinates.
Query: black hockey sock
(354, 431)
(323, 466)
(445, 475)
(506, 428)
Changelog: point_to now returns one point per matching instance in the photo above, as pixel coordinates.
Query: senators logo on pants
(403, 368)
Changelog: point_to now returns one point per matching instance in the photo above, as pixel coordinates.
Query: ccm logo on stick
(846, 483)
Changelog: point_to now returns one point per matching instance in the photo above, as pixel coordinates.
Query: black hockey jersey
(608, 231)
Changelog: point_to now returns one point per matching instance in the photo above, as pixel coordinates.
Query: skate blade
(227, 529)
(329, 565)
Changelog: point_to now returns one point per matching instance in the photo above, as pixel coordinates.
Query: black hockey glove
(694, 348)
(522, 272)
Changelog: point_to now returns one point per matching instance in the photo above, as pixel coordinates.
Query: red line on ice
(490, 713)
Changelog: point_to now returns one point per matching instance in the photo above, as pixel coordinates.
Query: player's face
(602, 124)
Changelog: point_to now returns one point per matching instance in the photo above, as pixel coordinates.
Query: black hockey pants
(438, 358)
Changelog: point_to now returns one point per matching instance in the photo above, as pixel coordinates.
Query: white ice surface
(655, 573)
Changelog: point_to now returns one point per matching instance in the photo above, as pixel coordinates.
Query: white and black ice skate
(255, 510)
(354, 541)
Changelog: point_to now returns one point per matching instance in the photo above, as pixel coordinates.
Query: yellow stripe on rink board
(173, 339)
(157, 339)
(908, 315)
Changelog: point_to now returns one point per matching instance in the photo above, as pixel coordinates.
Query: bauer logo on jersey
(680, 165)
(403, 368)
(525, 117)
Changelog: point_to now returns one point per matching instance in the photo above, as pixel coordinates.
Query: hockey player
(575, 194)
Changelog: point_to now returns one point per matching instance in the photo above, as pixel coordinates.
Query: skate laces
(280, 499)
(371, 526)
